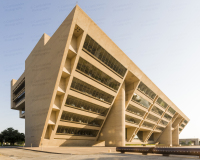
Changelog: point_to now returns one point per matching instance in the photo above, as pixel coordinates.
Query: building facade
(190, 141)
(79, 88)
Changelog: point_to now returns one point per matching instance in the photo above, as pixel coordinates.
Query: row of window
(157, 110)
(182, 125)
(141, 100)
(163, 122)
(167, 116)
(72, 117)
(132, 120)
(20, 86)
(171, 110)
(160, 128)
(143, 88)
(90, 90)
(185, 121)
(146, 90)
(149, 125)
(77, 131)
(135, 110)
(97, 74)
(162, 103)
(95, 49)
(86, 106)
(153, 118)
(20, 98)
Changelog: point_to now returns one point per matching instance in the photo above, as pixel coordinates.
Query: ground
(80, 153)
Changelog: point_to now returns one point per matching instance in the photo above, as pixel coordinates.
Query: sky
(161, 37)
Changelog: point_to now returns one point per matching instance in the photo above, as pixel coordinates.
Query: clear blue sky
(161, 37)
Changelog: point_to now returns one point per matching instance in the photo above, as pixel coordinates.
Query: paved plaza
(70, 153)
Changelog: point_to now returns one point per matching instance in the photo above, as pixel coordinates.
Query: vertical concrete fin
(113, 131)
(145, 135)
(42, 79)
(175, 136)
(130, 132)
(166, 136)
(13, 81)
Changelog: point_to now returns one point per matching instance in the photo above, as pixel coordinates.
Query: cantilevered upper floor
(81, 88)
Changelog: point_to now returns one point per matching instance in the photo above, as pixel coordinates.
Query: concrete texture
(50, 70)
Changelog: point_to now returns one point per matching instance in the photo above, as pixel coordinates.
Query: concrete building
(190, 141)
(80, 88)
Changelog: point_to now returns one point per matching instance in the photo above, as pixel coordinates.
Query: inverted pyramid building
(80, 89)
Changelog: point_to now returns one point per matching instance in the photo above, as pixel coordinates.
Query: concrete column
(130, 132)
(113, 132)
(175, 136)
(166, 135)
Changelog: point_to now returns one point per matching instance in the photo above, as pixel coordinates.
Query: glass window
(72, 117)
(149, 125)
(160, 128)
(163, 122)
(97, 74)
(171, 110)
(182, 125)
(157, 110)
(135, 110)
(185, 121)
(141, 100)
(90, 90)
(162, 103)
(132, 120)
(152, 117)
(86, 106)
(76, 131)
(143, 88)
(95, 49)
(167, 116)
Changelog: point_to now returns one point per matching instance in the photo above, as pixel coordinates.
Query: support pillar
(113, 132)
(166, 136)
(175, 136)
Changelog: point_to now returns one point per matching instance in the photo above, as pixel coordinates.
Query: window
(72, 117)
(86, 106)
(77, 131)
(153, 118)
(149, 125)
(143, 88)
(97, 51)
(135, 110)
(91, 91)
(167, 116)
(162, 103)
(182, 125)
(171, 110)
(157, 110)
(141, 100)
(97, 74)
(160, 128)
(132, 120)
(163, 122)
(185, 121)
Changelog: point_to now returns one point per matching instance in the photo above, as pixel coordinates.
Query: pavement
(79, 153)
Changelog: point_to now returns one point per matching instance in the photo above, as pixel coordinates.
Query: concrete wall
(47, 88)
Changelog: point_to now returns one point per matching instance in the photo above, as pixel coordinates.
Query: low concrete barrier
(158, 150)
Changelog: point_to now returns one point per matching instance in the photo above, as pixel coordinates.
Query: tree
(10, 135)
(189, 143)
(1, 138)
